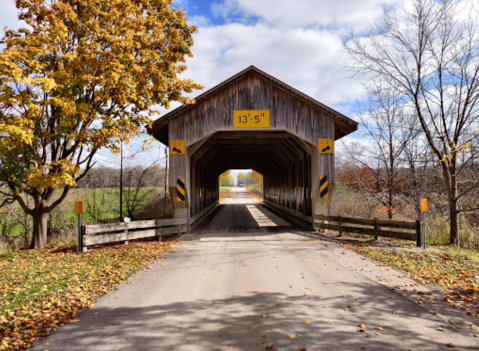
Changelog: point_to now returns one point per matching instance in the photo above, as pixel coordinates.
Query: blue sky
(296, 41)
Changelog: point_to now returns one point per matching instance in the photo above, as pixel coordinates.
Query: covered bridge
(253, 120)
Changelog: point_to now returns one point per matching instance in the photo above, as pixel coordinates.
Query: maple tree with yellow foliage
(80, 77)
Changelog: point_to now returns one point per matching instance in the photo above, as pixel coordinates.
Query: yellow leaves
(292, 337)
(53, 175)
(117, 70)
(306, 322)
(43, 289)
(202, 308)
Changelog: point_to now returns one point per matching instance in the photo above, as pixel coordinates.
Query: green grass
(225, 189)
(256, 187)
(99, 205)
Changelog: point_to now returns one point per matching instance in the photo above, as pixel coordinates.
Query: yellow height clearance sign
(251, 119)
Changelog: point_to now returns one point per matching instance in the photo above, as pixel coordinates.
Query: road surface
(250, 281)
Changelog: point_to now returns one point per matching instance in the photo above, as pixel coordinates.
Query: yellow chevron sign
(180, 190)
(177, 147)
(325, 146)
(323, 187)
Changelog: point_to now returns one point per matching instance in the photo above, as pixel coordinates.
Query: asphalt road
(248, 281)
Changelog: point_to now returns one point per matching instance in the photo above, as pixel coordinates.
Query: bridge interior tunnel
(283, 159)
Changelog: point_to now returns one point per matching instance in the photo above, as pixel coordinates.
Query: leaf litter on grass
(41, 290)
(454, 269)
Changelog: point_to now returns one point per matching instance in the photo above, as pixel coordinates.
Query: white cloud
(198, 20)
(293, 13)
(8, 16)
(310, 60)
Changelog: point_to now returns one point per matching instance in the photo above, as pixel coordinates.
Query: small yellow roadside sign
(177, 147)
(78, 207)
(325, 146)
(251, 119)
(423, 205)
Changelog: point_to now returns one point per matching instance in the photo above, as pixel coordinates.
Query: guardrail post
(418, 234)
(423, 230)
(83, 231)
(79, 238)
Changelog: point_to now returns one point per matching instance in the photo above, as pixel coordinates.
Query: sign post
(423, 222)
(79, 212)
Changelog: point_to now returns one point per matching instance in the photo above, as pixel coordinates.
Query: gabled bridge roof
(343, 124)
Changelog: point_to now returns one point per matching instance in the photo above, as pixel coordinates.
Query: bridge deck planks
(244, 218)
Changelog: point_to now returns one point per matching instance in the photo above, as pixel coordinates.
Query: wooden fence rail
(117, 232)
(357, 225)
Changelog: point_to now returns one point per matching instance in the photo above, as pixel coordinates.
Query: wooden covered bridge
(253, 120)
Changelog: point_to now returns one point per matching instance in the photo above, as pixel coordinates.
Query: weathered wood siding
(294, 185)
(252, 93)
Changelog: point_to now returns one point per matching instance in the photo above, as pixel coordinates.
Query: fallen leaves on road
(306, 322)
(42, 290)
(270, 348)
(292, 337)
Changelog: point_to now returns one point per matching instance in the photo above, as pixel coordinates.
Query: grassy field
(104, 204)
(224, 192)
(100, 205)
(256, 187)
(44, 289)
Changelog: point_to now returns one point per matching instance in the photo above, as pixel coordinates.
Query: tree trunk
(121, 182)
(450, 173)
(454, 214)
(40, 229)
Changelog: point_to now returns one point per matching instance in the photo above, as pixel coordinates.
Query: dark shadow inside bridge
(282, 158)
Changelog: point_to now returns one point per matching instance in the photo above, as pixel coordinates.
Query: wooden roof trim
(182, 109)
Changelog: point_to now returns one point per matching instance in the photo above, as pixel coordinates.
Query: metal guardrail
(411, 230)
(122, 232)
